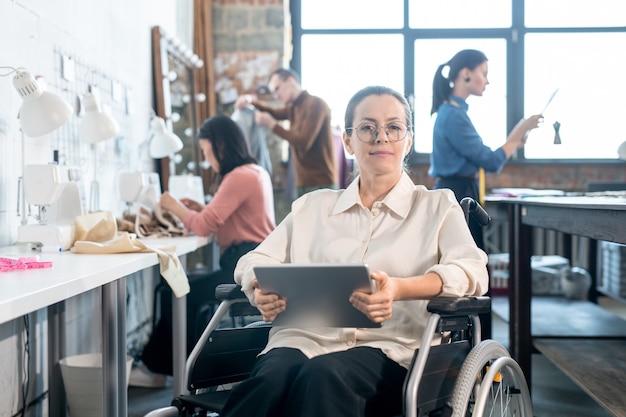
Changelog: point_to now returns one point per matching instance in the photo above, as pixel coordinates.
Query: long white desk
(23, 292)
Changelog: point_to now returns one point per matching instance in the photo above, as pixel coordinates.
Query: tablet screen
(317, 294)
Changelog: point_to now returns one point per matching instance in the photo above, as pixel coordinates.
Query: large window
(328, 63)
(534, 47)
(452, 14)
(352, 14)
(590, 105)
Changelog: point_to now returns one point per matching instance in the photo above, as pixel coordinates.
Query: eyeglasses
(368, 132)
(277, 87)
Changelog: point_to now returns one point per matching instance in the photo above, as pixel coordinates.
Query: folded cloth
(124, 225)
(124, 242)
(154, 223)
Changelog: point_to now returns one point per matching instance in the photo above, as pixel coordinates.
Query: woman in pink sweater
(240, 215)
(242, 210)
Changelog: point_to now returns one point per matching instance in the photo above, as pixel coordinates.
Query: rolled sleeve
(466, 279)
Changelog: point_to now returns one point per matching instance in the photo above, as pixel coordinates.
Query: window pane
(488, 113)
(459, 14)
(352, 14)
(575, 13)
(334, 67)
(588, 69)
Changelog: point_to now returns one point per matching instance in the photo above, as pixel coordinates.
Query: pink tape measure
(22, 263)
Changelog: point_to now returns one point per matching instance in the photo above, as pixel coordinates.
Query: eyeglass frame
(377, 128)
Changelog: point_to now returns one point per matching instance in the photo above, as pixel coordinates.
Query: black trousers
(284, 382)
(157, 354)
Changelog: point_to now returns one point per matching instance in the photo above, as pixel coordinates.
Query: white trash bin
(82, 379)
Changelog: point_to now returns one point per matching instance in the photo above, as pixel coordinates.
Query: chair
(464, 376)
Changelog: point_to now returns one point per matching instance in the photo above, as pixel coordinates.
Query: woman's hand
(169, 202)
(518, 136)
(378, 305)
(173, 205)
(533, 122)
(191, 204)
(270, 305)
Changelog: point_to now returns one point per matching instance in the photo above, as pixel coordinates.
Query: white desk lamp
(621, 151)
(163, 143)
(96, 126)
(40, 113)
(47, 186)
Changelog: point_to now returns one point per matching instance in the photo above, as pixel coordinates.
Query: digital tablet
(317, 294)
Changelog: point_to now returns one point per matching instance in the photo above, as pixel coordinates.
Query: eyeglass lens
(368, 132)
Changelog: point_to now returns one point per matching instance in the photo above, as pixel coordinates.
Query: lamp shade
(96, 125)
(621, 151)
(163, 143)
(41, 112)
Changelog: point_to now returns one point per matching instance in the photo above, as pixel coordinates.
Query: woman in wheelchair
(416, 242)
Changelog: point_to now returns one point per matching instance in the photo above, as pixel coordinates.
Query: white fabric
(411, 232)
(255, 135)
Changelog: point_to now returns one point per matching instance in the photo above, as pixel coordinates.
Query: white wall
(110, 44)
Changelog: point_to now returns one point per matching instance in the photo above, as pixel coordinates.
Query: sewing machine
(187, 186)
(55, 190)
(141, 188)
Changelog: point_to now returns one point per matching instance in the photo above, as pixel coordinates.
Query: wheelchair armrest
(229, 292)
(461, 306)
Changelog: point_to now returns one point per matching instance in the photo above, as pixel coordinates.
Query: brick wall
(568, 177)
(248, 25)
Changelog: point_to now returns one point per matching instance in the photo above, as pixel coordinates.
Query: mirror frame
(165, 48)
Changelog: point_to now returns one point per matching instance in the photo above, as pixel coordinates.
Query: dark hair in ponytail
(467, 58)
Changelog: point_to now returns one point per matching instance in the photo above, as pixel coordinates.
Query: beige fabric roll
(97, 227)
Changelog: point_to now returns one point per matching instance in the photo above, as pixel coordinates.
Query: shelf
(597, 366)
(561, 317)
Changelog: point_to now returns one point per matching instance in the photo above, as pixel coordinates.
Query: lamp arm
(11, 70)
(21, 194)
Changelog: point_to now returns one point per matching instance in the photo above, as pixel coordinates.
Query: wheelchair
(460, 377)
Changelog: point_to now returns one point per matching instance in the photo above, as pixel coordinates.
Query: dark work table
(594, 217)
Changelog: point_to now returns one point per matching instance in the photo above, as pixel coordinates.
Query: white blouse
(412, 231)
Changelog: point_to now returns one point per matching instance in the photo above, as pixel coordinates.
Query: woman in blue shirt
(458, 150)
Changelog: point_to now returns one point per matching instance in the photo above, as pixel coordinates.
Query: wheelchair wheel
(491, 383)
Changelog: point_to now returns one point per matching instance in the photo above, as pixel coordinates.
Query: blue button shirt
(458, 149)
